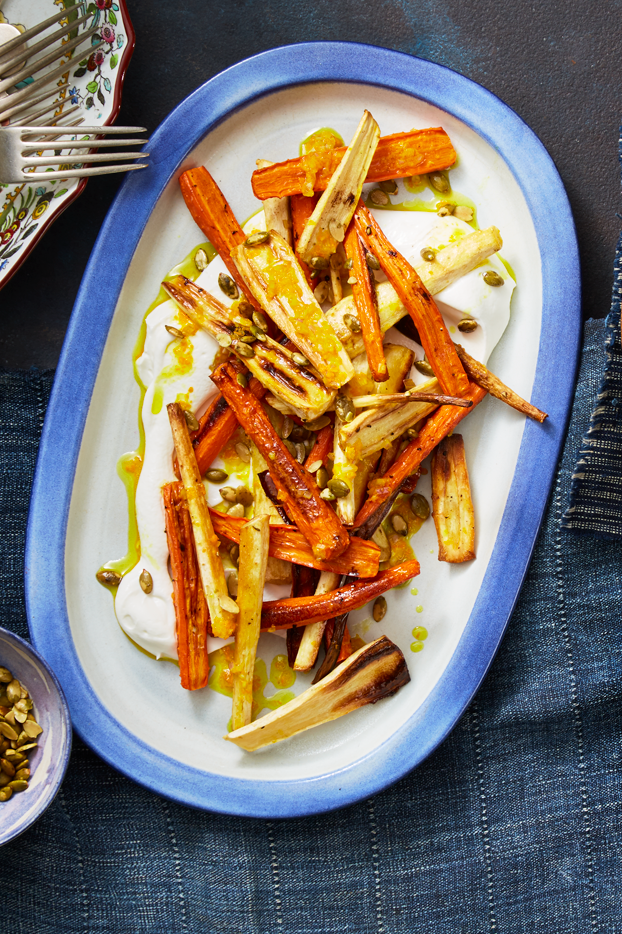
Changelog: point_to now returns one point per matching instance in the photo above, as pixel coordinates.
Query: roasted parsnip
(450, 264)
(375, 671)
(273, 365)
(223, 610)
(327, 226)
(254, 543)
(312, 635)
(277, 212)
(279, 285)
(452, 506)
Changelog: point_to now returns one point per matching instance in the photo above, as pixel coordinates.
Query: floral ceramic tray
(95, 83)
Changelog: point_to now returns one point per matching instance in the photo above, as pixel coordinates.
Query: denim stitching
(85, 895)
(373, 828)
(484, 815)
(180, 887)
(274, 863)
(576, 708)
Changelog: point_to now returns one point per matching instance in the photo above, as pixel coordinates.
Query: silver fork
(17, 63)
(20, 145)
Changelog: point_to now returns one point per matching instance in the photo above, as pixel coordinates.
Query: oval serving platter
(126, 706)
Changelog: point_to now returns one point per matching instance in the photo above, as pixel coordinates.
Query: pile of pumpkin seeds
(18, 735)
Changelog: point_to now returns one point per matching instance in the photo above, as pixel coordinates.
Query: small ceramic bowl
(49, 761)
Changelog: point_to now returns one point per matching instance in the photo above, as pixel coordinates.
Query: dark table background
(557, 64)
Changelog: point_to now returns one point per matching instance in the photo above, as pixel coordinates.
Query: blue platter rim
(553, 389)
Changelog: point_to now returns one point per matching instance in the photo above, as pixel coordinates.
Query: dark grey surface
(557, 64)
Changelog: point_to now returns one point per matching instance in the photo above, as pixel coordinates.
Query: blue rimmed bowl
(131, 709)
(49, 761)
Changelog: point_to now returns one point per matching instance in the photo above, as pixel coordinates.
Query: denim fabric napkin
(514, 825)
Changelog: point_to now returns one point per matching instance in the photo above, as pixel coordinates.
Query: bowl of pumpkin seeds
(35, 736)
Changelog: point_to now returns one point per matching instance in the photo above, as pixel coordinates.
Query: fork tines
(19, 56)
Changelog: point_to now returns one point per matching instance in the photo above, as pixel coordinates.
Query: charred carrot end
(281, 614)
(363, 292)
(487, 380)
(396, 156)
(191, 614)
(212, 213)
(435, 338)
(313, 516)
(216, 428)
(322, 447)
(437, 427)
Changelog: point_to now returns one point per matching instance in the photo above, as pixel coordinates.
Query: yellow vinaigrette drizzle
(281, 677)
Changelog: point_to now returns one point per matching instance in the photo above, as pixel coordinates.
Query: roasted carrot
(313, 516)
(212, 213)
(396, 156)
(304, 582)
(422, 308)
(282, 614)
(360, 559)
(492, 384)
(364, 294)
(302, 208)
(191, 613)
(322, 447)
(217, 426)
(384, 489)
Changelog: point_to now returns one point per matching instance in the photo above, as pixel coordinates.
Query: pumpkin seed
(19, 716)
(420, 506)
(338, 488)
(336, 229)
(344, 408)
(287, 427)
(243, 451)
(257, 238)
(191, 420)
(108, 577)
(228, 494)
(353, 323)
(466, 325)
(243, 495)
(244, 350)
(318, 262)
(24, 704)
(327, 495)
(146, 581)
(301, 452)
(32, 729)
(216, 475)
(241, 380)
(440, 182)
(257, 333)
(428, 254)
(321, 292)
(247, 336)
(321, 477)
(5, 675)
(245, 309)
(23, 775)
(411, 433)
(315, 465)
(493, 278)
(224, 339)
(227, 285)
(379, 609)
(232, 583)
(237, 511)
(316, 424)
(377, 196)
(201, 260)
(380, 538)
(18, 785)
(291, 447)
(390, 186)
(372, 261)
(5, 793)
(234, 554)
(174, 332)
(399, 524)
(260, 321)
(4, 779)
(424, 367)
(13, 691)
(7, 767)
(28, 746)
(7, 730)
(463, 212)
(300, 359)
(352, 280)
(349, 263)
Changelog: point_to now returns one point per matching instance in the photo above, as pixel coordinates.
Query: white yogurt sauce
(150, 619)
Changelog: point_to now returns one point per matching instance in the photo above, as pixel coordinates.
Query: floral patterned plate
(95, 83)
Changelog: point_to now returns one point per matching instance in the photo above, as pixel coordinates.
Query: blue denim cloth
(513, 825)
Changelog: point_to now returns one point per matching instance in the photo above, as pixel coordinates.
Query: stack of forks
(24, 131)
